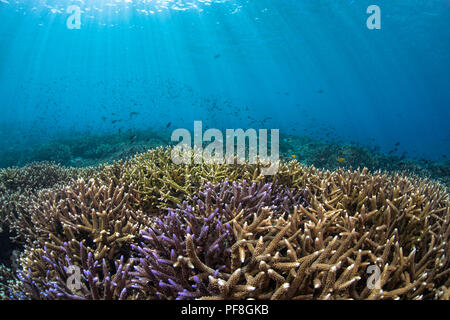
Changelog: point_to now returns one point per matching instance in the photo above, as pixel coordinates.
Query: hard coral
(88, 217)
(149, 229)
(164, 184)
(98, 278)
(191, 244)
(20, 187)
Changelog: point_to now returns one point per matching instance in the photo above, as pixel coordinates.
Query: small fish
(397, 144)
(341, 159)
(294, 156)
(320, 91)
(168, 125)
(217, 56)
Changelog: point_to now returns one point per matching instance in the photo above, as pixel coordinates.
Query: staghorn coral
(190, 244)
(19, 188)
(92, 217)
(234, 199)
(164, 184)
(36, 176)
(98, 279)
(9, 284)
(168, 264)
(230, 233)
(355, 220)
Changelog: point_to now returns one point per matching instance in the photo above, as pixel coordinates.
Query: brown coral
(356, 220)
(19, 187)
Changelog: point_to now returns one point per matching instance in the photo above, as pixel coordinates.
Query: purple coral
(97, 280)
(168, 267)
(230, 198)
(190, 244)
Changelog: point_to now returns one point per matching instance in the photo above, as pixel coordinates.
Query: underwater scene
(224, 150)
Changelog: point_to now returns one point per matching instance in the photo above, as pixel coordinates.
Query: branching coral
(149, 229)
(232, 198)
(36, 176)
(191, 244)
(9, 284)
(178, 254)
(20, 187)
(355, 220)
(78, 275)
(85, 216)
(164, 184)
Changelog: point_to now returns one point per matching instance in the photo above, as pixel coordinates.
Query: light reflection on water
(116, 6)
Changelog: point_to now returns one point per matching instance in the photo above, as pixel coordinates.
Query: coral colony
(213, 152)
(148, 228)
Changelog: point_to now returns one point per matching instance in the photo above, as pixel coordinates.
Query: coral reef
(90, 224)
(332, 155)
(146, 228)
(354, 221)
(19, 188)
(85, 150)
(164, 184)
(97, 280)
(191, 244)
(10, 286)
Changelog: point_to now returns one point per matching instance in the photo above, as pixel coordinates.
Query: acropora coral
(147, 228)
(19, 188)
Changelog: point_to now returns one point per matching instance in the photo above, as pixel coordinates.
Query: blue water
(306, 67)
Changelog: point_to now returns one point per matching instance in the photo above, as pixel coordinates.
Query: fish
(320, 91)
(217, 56)
(341, 159)
(168, 125)
(294, 156)
(397, 144)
